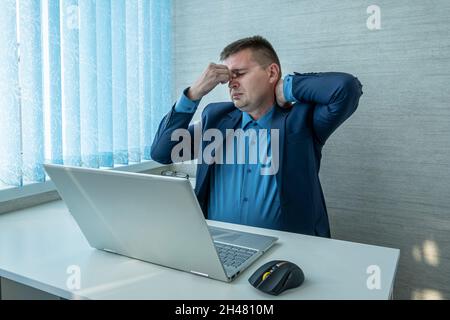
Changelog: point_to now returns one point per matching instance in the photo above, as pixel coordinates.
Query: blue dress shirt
(239, 192)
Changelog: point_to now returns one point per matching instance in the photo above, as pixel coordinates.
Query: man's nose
(233, 83)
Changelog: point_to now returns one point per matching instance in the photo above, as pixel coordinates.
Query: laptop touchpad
(240, 238)
(224, 235)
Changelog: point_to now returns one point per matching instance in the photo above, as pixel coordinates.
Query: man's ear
(274, 73)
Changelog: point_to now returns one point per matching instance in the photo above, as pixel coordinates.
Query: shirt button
(245, 199)
(249, 170)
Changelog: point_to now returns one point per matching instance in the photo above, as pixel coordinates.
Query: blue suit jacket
(324, 101)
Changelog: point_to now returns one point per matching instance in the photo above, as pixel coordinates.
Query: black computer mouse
(277, 276)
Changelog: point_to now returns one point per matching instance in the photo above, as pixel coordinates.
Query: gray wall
(386, 171)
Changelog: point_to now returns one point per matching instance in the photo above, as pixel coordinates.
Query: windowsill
(36, 193)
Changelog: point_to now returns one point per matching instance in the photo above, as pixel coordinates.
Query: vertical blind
(82, 83)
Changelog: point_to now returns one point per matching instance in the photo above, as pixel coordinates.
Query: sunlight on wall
(417, 253)
(431, 253)
(428, 253)
(426, 294)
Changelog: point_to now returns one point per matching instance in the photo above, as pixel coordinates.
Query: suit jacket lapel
(279, 122)
(228, 122)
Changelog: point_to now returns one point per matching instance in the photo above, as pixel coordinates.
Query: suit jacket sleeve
(162, 146)
(335, 95)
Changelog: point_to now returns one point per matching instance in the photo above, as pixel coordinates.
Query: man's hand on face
(211, 77)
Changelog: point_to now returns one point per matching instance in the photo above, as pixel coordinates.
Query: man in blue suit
(294, 116)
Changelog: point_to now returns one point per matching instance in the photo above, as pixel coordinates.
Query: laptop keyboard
(233, 256)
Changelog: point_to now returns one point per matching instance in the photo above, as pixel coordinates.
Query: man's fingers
(223, 78)
(214, 74)
(222, 71)
(223, 75)
(218, 70)
(220, 66)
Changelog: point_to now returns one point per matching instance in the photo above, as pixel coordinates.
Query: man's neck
(261, 111)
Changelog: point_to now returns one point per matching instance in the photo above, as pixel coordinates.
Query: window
(82, 83)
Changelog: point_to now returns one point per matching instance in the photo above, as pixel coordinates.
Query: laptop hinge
(109, 250)
(200, 274)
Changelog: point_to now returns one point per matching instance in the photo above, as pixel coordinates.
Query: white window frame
(35, 189)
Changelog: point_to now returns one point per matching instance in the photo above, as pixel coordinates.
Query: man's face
(250, 86)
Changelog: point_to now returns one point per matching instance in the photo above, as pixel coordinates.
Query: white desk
(38, 244)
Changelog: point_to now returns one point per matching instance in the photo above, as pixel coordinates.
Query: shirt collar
(263, 122)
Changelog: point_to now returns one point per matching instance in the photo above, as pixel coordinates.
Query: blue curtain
(88, 84)
(132, 63)
(70, 61)
(145, 78)
(83, 83)
(31, 93)
(53, 106)
(10, 118)
(104, 83)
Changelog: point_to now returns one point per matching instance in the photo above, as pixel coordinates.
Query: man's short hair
(262, 50)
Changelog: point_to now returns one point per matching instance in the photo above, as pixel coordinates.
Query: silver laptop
(155, 219)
